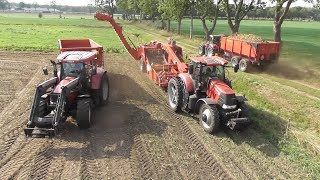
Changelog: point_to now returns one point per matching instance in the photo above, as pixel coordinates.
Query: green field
(280, 101)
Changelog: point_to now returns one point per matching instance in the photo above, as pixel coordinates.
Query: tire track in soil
(12, 166)
(89, 167)
(142, 166)
(37, 169)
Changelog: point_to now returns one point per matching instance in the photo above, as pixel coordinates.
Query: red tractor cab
(205, 90)
(79, 84)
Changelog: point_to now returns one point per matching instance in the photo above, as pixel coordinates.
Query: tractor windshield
(214, 72)
(72, 69)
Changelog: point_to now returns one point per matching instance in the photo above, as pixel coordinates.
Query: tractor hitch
(238, 123)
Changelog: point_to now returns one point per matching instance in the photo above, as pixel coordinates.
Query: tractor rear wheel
(84, 113)
(243, 65)
(209, 118)
(104, 90)
(235, 61)
(175, 94)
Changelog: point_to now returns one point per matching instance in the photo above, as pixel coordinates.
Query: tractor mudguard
(241, 98)
(96, 79)
(185, 77)
(208, 101)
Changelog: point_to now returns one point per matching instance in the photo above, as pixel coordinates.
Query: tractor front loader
(77, 87)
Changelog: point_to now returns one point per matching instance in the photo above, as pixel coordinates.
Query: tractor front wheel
(175, 96)
(209, 118)
(243, 65)
(104, 90)
(84, 113)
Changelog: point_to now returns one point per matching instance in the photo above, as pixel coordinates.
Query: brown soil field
(135, 136)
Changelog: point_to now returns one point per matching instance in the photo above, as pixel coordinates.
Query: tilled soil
(135, 136)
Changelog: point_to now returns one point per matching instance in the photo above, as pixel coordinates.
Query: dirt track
(135, 136)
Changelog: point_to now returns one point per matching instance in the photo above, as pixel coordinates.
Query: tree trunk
(191, 26)
(168, 25)
(179, 26)
(277, 32)
(235, 28)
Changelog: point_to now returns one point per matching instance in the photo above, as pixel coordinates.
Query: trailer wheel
(209, 118)
(84, 113)
(175, 96)
(235, 61)
(243, 65)
(209, 51)
(104, 90)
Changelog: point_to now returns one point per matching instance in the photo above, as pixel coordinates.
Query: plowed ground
(135, 136)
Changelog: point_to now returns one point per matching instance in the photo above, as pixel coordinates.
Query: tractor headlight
(224, 106)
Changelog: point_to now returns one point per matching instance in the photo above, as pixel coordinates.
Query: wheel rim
(105, 91)
(206, 118)
(173, 96)
(243, 66)
(234, 62)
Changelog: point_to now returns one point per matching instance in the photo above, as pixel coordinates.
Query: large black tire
(209, 51)
(235, 61)
(175, 94)
(209, 118)
(104, 90)
(243, 65)
(84, 113)
(42, 108)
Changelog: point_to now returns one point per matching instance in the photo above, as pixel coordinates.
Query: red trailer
(241, 52)
(82, 45)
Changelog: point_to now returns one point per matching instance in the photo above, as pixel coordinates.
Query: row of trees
(5, 5)
(208, 11)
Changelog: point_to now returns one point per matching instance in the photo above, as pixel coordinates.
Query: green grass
(300, 39)
(30, 33)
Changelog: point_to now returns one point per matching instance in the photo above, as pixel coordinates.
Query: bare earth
(135, 136)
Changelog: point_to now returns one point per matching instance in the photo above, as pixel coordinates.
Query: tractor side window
(220, 73)
(72, 69)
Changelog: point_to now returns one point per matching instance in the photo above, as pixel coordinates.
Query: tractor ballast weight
(80, 85)
(210, 97)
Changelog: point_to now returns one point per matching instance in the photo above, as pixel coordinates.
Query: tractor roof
(210, 61)
(77, 56)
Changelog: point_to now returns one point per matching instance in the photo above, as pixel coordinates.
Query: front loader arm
(119, 31)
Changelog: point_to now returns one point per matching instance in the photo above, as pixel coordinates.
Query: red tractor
(75, 89)
(205, 90)
(197, 88)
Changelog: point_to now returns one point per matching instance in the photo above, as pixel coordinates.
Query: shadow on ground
(264, 134)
